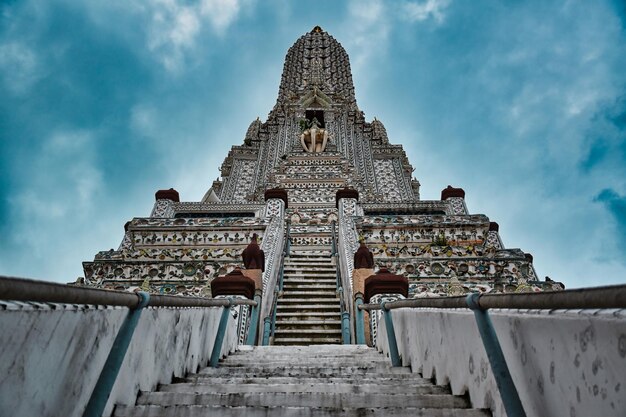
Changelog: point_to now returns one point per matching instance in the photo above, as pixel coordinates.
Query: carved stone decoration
(314, 139)
(170, 194)
(363, 258)
(493, 237)
(233, 283)
(384, 282)
(163, 209)
(335, 166)
(253, 257)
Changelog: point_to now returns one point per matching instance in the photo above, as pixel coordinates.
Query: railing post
(345, 327)
(334, 235)
(266, 331)
(360, 323)
(288, 242)
(508, 392)
(254, 319)
(391, 336)
(221, 333)
(106, 380)
(274, 312)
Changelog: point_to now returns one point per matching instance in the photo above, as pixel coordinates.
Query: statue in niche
(313, 138)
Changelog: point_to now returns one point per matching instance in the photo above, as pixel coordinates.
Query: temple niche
(315, 144)
(313, 137)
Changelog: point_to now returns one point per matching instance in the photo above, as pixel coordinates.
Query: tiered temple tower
(313, 170)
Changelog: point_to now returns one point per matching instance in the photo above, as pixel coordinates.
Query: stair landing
(324, 380)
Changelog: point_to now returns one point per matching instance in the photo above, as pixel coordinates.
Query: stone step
(307, 301)
(310, 277)
(309, 265)
(377, 363)
(296, 253)
(281, 340)
(293, 257)
(302, 399)
(286, 360)
(309, 285)
(309, 261)
(322, 387)
(306, 352)
(282, 332)
(322, 380)
(280, 411)
(289, 352)
(321, 369)
(311, 322)
(311, 292)
(308, 315)
(400, 380)
(312, 308)
(310, 281)
(304, 325)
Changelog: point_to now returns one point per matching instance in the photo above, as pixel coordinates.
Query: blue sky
(522, 103)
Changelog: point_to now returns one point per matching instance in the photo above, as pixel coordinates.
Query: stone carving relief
(386, 180)
(436, 244)
(163, 208)
(457, 205)
(315, 138)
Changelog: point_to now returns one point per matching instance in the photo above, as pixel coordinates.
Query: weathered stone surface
(52, 355)
(170, 194)
(451, 191)
(562, 363)
(363, 258)
(384, 282)
(302, 380)
(233, 283)
(253, 257)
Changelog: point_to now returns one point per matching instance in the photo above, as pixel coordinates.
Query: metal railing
(20, 289)
(269, 322)
(345, 314)
(608, 297)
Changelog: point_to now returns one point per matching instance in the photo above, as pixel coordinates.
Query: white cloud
(19, 67)
(366, 32)
(176, 25)
(419, 11)
(221, 13)
(59, 198)
(62, 178)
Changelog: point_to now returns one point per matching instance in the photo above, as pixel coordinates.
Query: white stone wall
(52, 355)
(563, 363)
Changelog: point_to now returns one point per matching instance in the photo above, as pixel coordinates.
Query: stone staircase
(331, 380)
(308, 312)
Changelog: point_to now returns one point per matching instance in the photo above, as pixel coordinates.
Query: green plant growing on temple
(304, 124)
(440, 240)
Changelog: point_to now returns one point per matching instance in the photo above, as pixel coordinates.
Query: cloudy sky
(522, 104)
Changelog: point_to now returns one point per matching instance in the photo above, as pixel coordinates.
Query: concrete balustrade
(563, 362)
(52, 354)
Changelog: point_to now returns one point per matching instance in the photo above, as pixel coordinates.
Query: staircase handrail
(345, 312)
(606, 297)
(611, 296)
(22, 289)
(274, 247)
(269, 322)
(30, 290)
(346, 247)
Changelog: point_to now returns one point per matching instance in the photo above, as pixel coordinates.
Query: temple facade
(313, 180)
